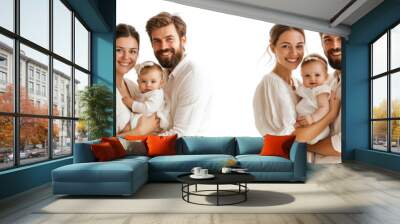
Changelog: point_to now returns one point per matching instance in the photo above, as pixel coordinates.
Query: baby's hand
(305, 120)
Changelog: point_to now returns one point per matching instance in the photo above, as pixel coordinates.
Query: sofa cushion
(134, 147)
(185, 163)
(277, 145)
(249, 145)
(111, 171)
(206, 145)
(161, 145)
(103, 152)
(116, 145)
(257, 163)
(83, 152)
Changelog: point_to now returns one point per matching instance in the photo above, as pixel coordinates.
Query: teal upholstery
(125, 176)
(172, 166)
(207, 145)
(83, 152)
(249, 145)
(118, 177)
(259, 163)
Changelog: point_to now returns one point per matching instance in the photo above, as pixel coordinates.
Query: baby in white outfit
(151, 100)
(314, 93)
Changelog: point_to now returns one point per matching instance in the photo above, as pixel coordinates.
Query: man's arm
(323, 147)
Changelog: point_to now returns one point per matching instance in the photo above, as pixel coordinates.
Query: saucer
(208, 176)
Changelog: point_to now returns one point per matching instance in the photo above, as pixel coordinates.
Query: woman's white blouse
(274, 106)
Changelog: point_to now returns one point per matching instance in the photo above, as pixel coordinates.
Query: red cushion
(277, 145)
(116, 145)
(161, 145)
(136, 137)
(103, 151)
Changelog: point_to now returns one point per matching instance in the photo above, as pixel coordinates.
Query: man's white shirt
(188, 93)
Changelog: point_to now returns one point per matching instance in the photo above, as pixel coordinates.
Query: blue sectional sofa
(125, 176)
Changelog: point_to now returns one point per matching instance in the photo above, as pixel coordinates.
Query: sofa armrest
(298, 155)
(83, 152)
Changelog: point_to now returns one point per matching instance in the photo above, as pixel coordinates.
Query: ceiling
(330, 16)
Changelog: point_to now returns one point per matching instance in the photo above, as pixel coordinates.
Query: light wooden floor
(378, 188)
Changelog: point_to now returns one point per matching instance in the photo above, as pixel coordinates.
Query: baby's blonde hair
(315, 58)
(149, 65)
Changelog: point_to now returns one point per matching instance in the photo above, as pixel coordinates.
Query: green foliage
(96, 102)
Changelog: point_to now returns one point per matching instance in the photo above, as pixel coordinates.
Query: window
(30, 87)
(46, 130)
(385, 96)
(3, 72)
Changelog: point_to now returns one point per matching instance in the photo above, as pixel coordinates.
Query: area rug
(167, 198)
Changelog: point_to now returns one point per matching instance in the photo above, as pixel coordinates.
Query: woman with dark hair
(275, 99)
(127, 51)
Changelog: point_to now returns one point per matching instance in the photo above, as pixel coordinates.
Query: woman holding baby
(275, 98)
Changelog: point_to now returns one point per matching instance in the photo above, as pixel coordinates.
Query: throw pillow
(117, 146)
(103, 151)
(135, 147)
(136, 137)
(161, 145)
(277, 145)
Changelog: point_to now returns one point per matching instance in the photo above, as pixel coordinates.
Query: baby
(315, 93)
(151, 98)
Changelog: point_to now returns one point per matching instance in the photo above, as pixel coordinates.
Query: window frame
(388, 74)
(16, 115)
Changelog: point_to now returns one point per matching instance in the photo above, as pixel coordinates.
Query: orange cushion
(136, 137)
(116, 145)
(103, 151)
(161, 145)
(277, 145)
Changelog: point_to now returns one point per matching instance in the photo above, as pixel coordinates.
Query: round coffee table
(238, 179)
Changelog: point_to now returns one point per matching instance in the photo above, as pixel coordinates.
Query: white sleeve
(123, 114)
(325, 88)
(274, 109)
(336, 141)
(152, 103)
(191, 106)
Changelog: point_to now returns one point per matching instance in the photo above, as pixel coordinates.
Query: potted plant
(96, 103)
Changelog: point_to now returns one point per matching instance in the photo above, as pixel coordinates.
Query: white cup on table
(196, 170)
(203, 172)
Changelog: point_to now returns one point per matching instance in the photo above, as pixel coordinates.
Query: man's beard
(172, 62)
(335, 63)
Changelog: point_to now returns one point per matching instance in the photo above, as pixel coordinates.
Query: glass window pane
(34, 80)
(7, 14)
(6, 74)
(62, 138)
(379, 135)
(81, 45)
(379, 55)
(81, 131)
(81, 81)
(6, 142)
(379, 97)
(395, 47)
(33, 140)
(395, 94)
(62, 29)
(62, 89)
(35, 21)
(395, 138)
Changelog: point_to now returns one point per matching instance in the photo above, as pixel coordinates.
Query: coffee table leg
(245, 191)
(196, 187)
(217, 194)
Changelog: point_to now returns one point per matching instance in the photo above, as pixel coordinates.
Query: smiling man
(187, 90)
(332, 46)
